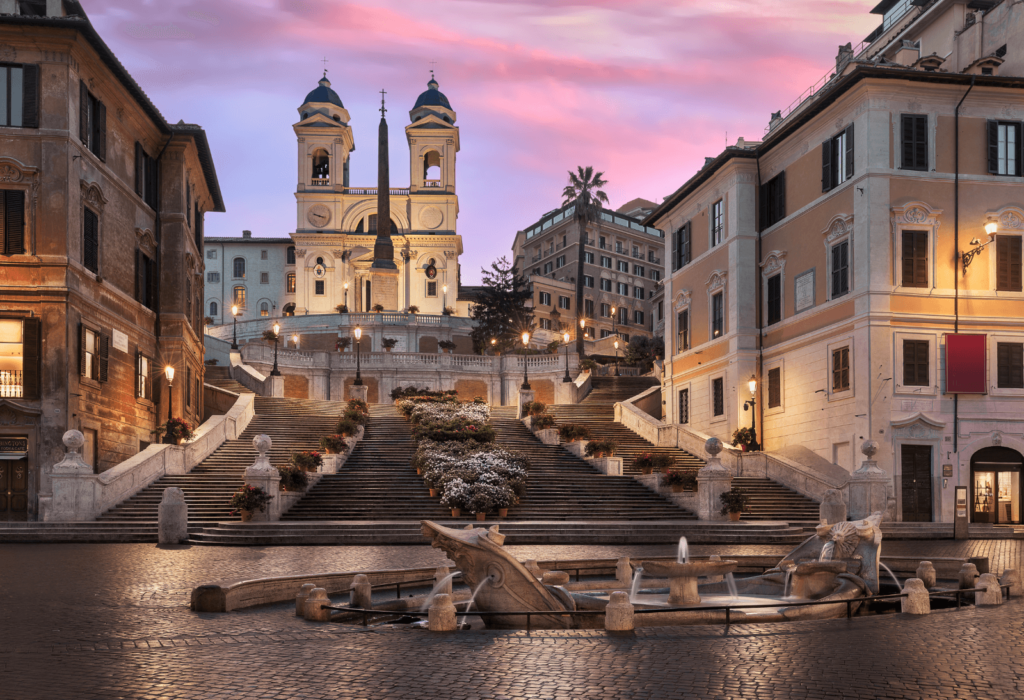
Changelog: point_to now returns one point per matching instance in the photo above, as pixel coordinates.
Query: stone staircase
(221, 377)
(292, 424)
(606, 391)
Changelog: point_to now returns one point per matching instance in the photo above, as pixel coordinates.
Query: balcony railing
(11, 383)
(321, 182)
(431, 183)
(372, 190)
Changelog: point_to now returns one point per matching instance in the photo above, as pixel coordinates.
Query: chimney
(54, 8)
(844, 57)
(908, 53)
(246, 234)
(774, 120)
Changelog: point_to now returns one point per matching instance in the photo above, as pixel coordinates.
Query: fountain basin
(683, 577)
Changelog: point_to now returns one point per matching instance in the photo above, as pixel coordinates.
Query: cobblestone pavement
(111, 621)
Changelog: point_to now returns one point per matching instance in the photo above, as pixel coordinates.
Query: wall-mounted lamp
(968, 255)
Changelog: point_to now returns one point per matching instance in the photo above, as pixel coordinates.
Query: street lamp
(346, 295)
(295, 340)
(750, 403)
(526, 376)
(616, 344)
(234, 327)
(565, 337)
(359, 378)
(968, 255)
(277, 332)
(494, 346)
(169, 372)
(444, 299)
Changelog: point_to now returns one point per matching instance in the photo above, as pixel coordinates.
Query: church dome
(325, 95)
(432, 97)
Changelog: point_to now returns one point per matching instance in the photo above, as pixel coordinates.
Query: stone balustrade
(319, 324)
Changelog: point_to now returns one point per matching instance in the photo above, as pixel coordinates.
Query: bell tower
(433, 142)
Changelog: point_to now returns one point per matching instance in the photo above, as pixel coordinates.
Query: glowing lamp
(359, 332)
(169, 371)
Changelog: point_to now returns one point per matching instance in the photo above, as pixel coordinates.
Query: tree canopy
(643, 350)
(500, 311)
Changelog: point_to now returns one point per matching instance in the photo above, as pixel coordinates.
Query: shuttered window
(1004, 148)
(145, 176)
(914, 141)
(1010, 365)
(837, 159)
(145, 280)
(143, 386)
(684, 406)
(840, 269)
(681, 246)
(31, 356)
(717, 223)
(775, 387)
(717, 315)
(841, 369)
(92, 122)
(12, 222)
(93, 353)
(1008, 263)
(772, 201)
(774, 299)
(718, 396)
(915, 362)
(188, 386)
(684, 330)
(91, 241)
(19, 96)
(915, 258)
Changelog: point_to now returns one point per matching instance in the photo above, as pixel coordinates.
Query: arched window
(289, 309)
(359, 227)
(264, 308)
(321, 167)
(239, 268)
(432, 169)
(238, 297)
(291, 255)
(213, 309)
(373, 225)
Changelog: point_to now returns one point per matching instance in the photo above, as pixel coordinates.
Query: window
(12, 220)
(655, 275)
(211, 254)
(684, 406)
(146, 280)
(94, 354)
(145, 178)
(638, 318)
(588, 307)
(774, 299)
(915, 258)
(772, 201)
(638, 292)
(1004, 148)
(606, 311)
(545, 324)
(264, 309)
(563, 302)
(1010, 365)
(840, 269)
(717, 223)
(239, 268)
(318, 288)
(91, 241)
(143, 390)
(914, 141)
(19, 96)
(92, 122)
(605, 332)
(212, 277)
(775, 387)
(622, 266)
(543, 299)
(601, 244)
(19, 357)
(290, 289)
(837, 159)
(264, 278)
(639, 270)
(588, 258)
(238, 297)
(589, 332)
(606, 262)
(683, 330)
(560, 261)
(623, 289)
(681, 247)
(625, 338)
(841, 369)
(263, 255)
(564, 239)
(718, 396)
(717, 315)
(188, 386)
(915, 362)
(213, 309)
(291, 255)
(431, 289)
(618, 247)
(606, 285)
(588, 281)
(548, 267)
(623, 315)
(1008, 263)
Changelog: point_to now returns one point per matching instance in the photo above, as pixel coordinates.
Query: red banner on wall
(966, 364)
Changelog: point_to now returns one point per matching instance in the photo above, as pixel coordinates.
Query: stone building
(622, 266)
(863, 264)
(257, 274)
(101, 262)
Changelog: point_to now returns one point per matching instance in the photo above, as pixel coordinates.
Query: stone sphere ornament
(261, 443)
(713, 446)
(869, 448)
(74, 440)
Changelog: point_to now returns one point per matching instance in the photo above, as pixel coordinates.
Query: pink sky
(641, 89)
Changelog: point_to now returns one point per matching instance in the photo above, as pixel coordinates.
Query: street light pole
(566, 378)
(751, 403)
(616, 343)
(169, 372)
(277, 332)
(234, 327)
(526, 375)
(346, 296)
(359, 379)
(444, 299)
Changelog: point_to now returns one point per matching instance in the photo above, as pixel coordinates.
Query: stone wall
(471, 388)
(372, 390)
(296, 386)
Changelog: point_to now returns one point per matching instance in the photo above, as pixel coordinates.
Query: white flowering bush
(456, 494)
(446, 412)
(495, 477)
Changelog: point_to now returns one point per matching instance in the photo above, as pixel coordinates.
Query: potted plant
(734, 502)
(481, 500)
(447, 345)
(644, 462)
(342, 308)
(378, 308)
(743, 438)
(503, 497)
(663, 462)
(542, 422)
(178, 428)
(207, 321)
(448, 311)
(456, 496)
(343, 344)
(588, 365)
(310, 460)
(573, 432)
(600, 448)
(334, 444)
(413, 309)
(355, 415)
(269, 336)
(680, 481)
(293, 478)
(346, 427)
(535, 408)
(248, 500)
(388, 344)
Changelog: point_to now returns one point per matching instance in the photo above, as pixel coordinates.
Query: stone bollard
(440, 575)
(992, 595)
(441, 616)
(555, 578)
(172, 516)
(300, 599)
(981, 563)
(832, 509)
(623, 572)
(968, 576)
(362, 593)
(1011, 577)
(618, 615)
(926, 572)
(917, 601)
(314, 611)
(713, 480)
(717, 577)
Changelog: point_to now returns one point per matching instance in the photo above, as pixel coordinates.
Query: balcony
(373, 190)
(321, 182)
(432, 183)
(11, 383)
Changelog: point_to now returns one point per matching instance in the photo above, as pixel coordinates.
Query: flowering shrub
(179, 429)
(410, 391)
(334, 443)
(648, 461)
(357, 417)
(535, 408)
(453, 467)
(485, 496)
(438, 412)
(357, 405)
(687, 479)
(572, 432)
(308, 460)
(601, 448)
(456, 494)
(250, 498)
(542, 422)
(293, 478)
(346, 427)
(457, 429)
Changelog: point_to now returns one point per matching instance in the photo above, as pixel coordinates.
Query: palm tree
(584, 189)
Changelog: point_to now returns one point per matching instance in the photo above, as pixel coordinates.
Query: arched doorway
(996, 485)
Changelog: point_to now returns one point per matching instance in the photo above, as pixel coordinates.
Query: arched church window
(291, 255)
(359, 227)
(432, 169)
(373, 225)
(264, 309)
(321, 167)
(213, 309)
(289, 309)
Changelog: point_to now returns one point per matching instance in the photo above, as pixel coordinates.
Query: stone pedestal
(525, 397)
(73, 494)
(917, 601)
(441, 616)
(832, 509)
(712, 481)
(992, 595)
(265, 476)
(618, 615)
(300, 599)
(612, 466)
(362, 593)
(358, 392)
(384, 288)
(548, 436)
(926, 572)
(578, 448)
(968, 576)
(623, 572)
(172, 517)
(276, 384)
(440, 575)
(314, 610)
(868, 485)
(555, 578)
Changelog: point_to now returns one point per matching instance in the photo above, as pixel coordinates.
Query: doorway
(916, 466)
(996, 486)
(13, 489)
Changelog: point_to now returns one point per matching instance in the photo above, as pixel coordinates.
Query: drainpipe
(956, 253)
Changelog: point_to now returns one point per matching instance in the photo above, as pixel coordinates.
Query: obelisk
(383, 271)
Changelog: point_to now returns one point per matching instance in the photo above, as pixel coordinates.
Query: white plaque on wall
(120, 340)
(804, 291)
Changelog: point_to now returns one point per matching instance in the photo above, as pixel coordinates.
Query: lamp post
(616, 344)
(346, 295)
(565, 337)
(526, 376)
(444, 298)
(277, 332)
(968, 255)
(494, 346)
(750, 403)
(359, 378)
(169, 373)
(295, 340)
(234, 327)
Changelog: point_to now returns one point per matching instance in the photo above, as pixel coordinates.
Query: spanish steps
(221, 377)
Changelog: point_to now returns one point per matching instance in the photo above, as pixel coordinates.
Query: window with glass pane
(638, 318)
(142, 378)
(239, 268)
(11, 358)
(684, 406)
(588, 307)
(1004, 148)
(91, 366)
(588, 281)
(840, 269)
(291, 255)
(291, 283)
(841, 369)
(623, 266)
(717, 223)
(563, 302)
(606, 285)
(915, 362)
(319, 287)
(683, 331)
(717, 315)
(238, 297)
(718, 396)
(1010, 365)
(775, 387)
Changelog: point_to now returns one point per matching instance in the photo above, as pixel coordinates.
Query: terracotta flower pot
(456, 512)
(502, 512)
(745, 448)
(735, 517)
(481, 516)
(246, 516)
(647, 470)
(676, 488)
(433, 493)
(418, 471)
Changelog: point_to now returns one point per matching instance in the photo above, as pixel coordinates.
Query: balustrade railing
(12, 383)
(320, 182)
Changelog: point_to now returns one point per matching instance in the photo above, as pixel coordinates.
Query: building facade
(863, 265)
(101, 262)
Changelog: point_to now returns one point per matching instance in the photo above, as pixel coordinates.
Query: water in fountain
(437, 589)
(637, 575)
(892, 575)
(472, 599)
(684, 552)
(826, 551)
(731, 583)
(785, 585)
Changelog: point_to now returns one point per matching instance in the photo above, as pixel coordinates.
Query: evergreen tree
(500, 312)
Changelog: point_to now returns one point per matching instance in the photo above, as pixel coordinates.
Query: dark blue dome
(324, 93)
(432, 97)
